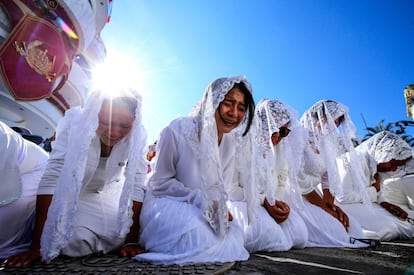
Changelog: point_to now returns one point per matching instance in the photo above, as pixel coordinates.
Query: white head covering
(385, 146)
(331, 143)
(212, 186)
(271, 115)
(82, 129)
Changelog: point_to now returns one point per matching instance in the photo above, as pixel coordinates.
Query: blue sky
(358, 52)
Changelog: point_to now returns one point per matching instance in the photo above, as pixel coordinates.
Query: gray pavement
(395, 257)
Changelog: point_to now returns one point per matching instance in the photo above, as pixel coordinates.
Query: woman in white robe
(266, 165)
(382, 153)
(328, 225)
(22, 163)
(184, 218)
(89, 199)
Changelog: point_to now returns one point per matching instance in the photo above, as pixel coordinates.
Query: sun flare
(118, 71)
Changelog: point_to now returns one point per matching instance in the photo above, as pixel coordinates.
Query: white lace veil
(271, 115)
(332, 143)
(82, 129)
(385, 146)
(212, 185)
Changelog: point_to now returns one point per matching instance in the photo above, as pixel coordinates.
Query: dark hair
(249, 102)
(128, 101)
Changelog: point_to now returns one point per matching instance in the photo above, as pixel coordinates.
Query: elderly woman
(328, 225)
(381, 155)
(185, 219)
(267, 176)
(89, 199)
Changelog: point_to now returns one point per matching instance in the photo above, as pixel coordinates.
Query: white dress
(399, 190)
(21, 166)
(262, 232)
(323, 229)
(95, 226)
(398, 187)
(174, 230)
(376, 221)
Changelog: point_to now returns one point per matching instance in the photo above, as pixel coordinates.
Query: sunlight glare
(118, 71)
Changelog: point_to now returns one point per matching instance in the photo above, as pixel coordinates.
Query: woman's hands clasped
(279, 211)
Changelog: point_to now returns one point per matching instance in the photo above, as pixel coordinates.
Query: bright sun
(116, 72)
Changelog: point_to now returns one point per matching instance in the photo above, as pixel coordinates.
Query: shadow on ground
(395, 257)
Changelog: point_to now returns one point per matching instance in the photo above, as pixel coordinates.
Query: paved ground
(390, 258)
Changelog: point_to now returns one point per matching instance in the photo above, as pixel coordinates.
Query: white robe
(398, 187)
(262, 232)
(323, 229)
(21, 166)
(376, 221)
(174, 230)
(95, 227)
(399, 190)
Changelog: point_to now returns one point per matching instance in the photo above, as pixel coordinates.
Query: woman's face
(114, 124)
(230, 112)
(277, 136)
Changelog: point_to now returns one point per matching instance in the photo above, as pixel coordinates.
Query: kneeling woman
(264, 196)
(88, 193)
(184, 218)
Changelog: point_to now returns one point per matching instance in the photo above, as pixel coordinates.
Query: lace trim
(331, 143)
(385, 146)
(136, 153)
(205, 131)
(58, 226)
(273, 160)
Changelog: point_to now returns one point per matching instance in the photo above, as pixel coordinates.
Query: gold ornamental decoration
(37, 58)
(409, 99)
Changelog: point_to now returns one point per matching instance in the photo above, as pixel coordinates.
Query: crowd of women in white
(229, 179)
